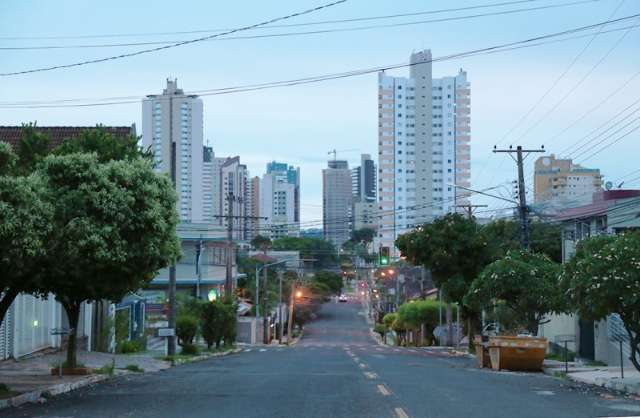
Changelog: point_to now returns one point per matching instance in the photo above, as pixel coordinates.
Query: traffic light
(384, 256)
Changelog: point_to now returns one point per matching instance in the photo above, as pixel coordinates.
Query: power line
(314, 32)
(358, 19)
(174, 45)
(315, 79)
(580, 146)
(558, 79)
(576, 85)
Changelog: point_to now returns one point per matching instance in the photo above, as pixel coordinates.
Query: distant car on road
(342, 298)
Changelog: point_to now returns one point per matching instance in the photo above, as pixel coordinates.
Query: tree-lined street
(337, 370)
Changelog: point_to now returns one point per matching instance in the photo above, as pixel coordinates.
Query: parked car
(342, 298)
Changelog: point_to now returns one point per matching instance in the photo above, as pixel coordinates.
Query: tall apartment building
(235, 197)
(363, 179)
(255, 222)
(363, 187)
(560, 184)
(423, 147)
(293, 177)
(172, 128)
(336, 202)
(277, 205)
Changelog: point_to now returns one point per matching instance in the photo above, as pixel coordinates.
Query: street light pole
(280, 323)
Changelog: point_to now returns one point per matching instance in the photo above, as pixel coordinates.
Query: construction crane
(335, 152)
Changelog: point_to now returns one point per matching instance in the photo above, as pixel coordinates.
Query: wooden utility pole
(292, 300)
(469, 208)
(522, 207)
(228, 278)
(265, 309)
(229, 253)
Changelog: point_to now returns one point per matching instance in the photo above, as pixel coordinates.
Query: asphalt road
(336, 370)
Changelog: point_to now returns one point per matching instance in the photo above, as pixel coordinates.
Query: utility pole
(522, 207)
(228, 278)
(171, 340)
(230, 217)
(280, 322)
(469, 208)
(290, 318)
(265, 309)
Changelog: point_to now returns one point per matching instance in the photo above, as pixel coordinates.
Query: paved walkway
(34, 373)
(607, 377)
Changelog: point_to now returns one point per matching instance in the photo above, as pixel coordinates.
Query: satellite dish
(608, 185)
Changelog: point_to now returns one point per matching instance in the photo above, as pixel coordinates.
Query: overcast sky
(300, 124)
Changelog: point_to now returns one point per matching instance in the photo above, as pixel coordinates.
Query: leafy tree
(8, 159)
(310, 248)
(25, 223)
(113, 227)
(261, 243)
(106, 145)
(527, 283)
(332, 281)
(363, 235)
(503, 235)
(455, 252)
(32, 148)
(603, 278)
(451, 248)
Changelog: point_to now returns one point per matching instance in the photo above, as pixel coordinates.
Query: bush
(381, 329)
(186, 329)
(131, 346)
(189, 350)
(229, 330)
(213, 318)
(414, 315)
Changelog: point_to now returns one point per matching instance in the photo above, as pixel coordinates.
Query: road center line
(371, 375)
(383, 390)
(400, 413)
(362, 365)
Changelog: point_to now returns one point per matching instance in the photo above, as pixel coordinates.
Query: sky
(301, 124)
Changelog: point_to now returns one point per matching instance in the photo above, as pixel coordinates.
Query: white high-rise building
(423, 147)
(172, 127)
(277, 205)
(336, 202)
(235, 191)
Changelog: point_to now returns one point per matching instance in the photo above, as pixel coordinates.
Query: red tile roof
(58, 134)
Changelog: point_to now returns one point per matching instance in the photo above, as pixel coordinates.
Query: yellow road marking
(400, 413)
(383, 390)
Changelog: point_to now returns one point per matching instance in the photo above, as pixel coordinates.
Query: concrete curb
(297, 339)
(60, 388)
(206, 356)
(615, 384)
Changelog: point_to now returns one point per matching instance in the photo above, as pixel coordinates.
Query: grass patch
(560, 375)
(594, 363)
(6, 392)
(560, 356)
(134, 368)
(107, 369)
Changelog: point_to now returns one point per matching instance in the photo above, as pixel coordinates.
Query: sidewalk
(31, 377)
(603, 376)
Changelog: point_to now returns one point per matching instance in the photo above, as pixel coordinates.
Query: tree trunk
(7, 299)
(532, 326)
(634, 342)
(73, 312)
(449, 316)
